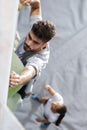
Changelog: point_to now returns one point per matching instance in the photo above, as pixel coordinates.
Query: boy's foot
(44, 125)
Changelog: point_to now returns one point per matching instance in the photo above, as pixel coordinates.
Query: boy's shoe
(44, 125)
(35, 96)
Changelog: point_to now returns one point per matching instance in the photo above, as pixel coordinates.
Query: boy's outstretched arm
(42, 120)
(50, 90)
(35, 7)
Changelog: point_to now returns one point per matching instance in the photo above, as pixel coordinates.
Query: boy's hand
(25, 2)
(47, 87)
(14, 79)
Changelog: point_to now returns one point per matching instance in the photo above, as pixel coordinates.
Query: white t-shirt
(52, 117)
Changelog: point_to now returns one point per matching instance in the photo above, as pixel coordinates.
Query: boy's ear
(44, 45)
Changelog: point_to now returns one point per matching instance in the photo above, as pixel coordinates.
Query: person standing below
(33, 50)
(54, 107)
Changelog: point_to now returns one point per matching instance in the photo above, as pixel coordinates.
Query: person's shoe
(35, 96)
(44, 125)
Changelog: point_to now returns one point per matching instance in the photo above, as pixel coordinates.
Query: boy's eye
(36, 42)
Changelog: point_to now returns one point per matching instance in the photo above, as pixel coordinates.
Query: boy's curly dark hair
(44, 30)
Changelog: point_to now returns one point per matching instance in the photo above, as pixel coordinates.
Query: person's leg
(37, 97)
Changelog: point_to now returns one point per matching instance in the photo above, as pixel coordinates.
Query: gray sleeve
(25, 21)
(39, 61)
(34, 19)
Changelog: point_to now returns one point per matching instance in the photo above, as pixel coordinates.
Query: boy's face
(33, 43)
(55, 106)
